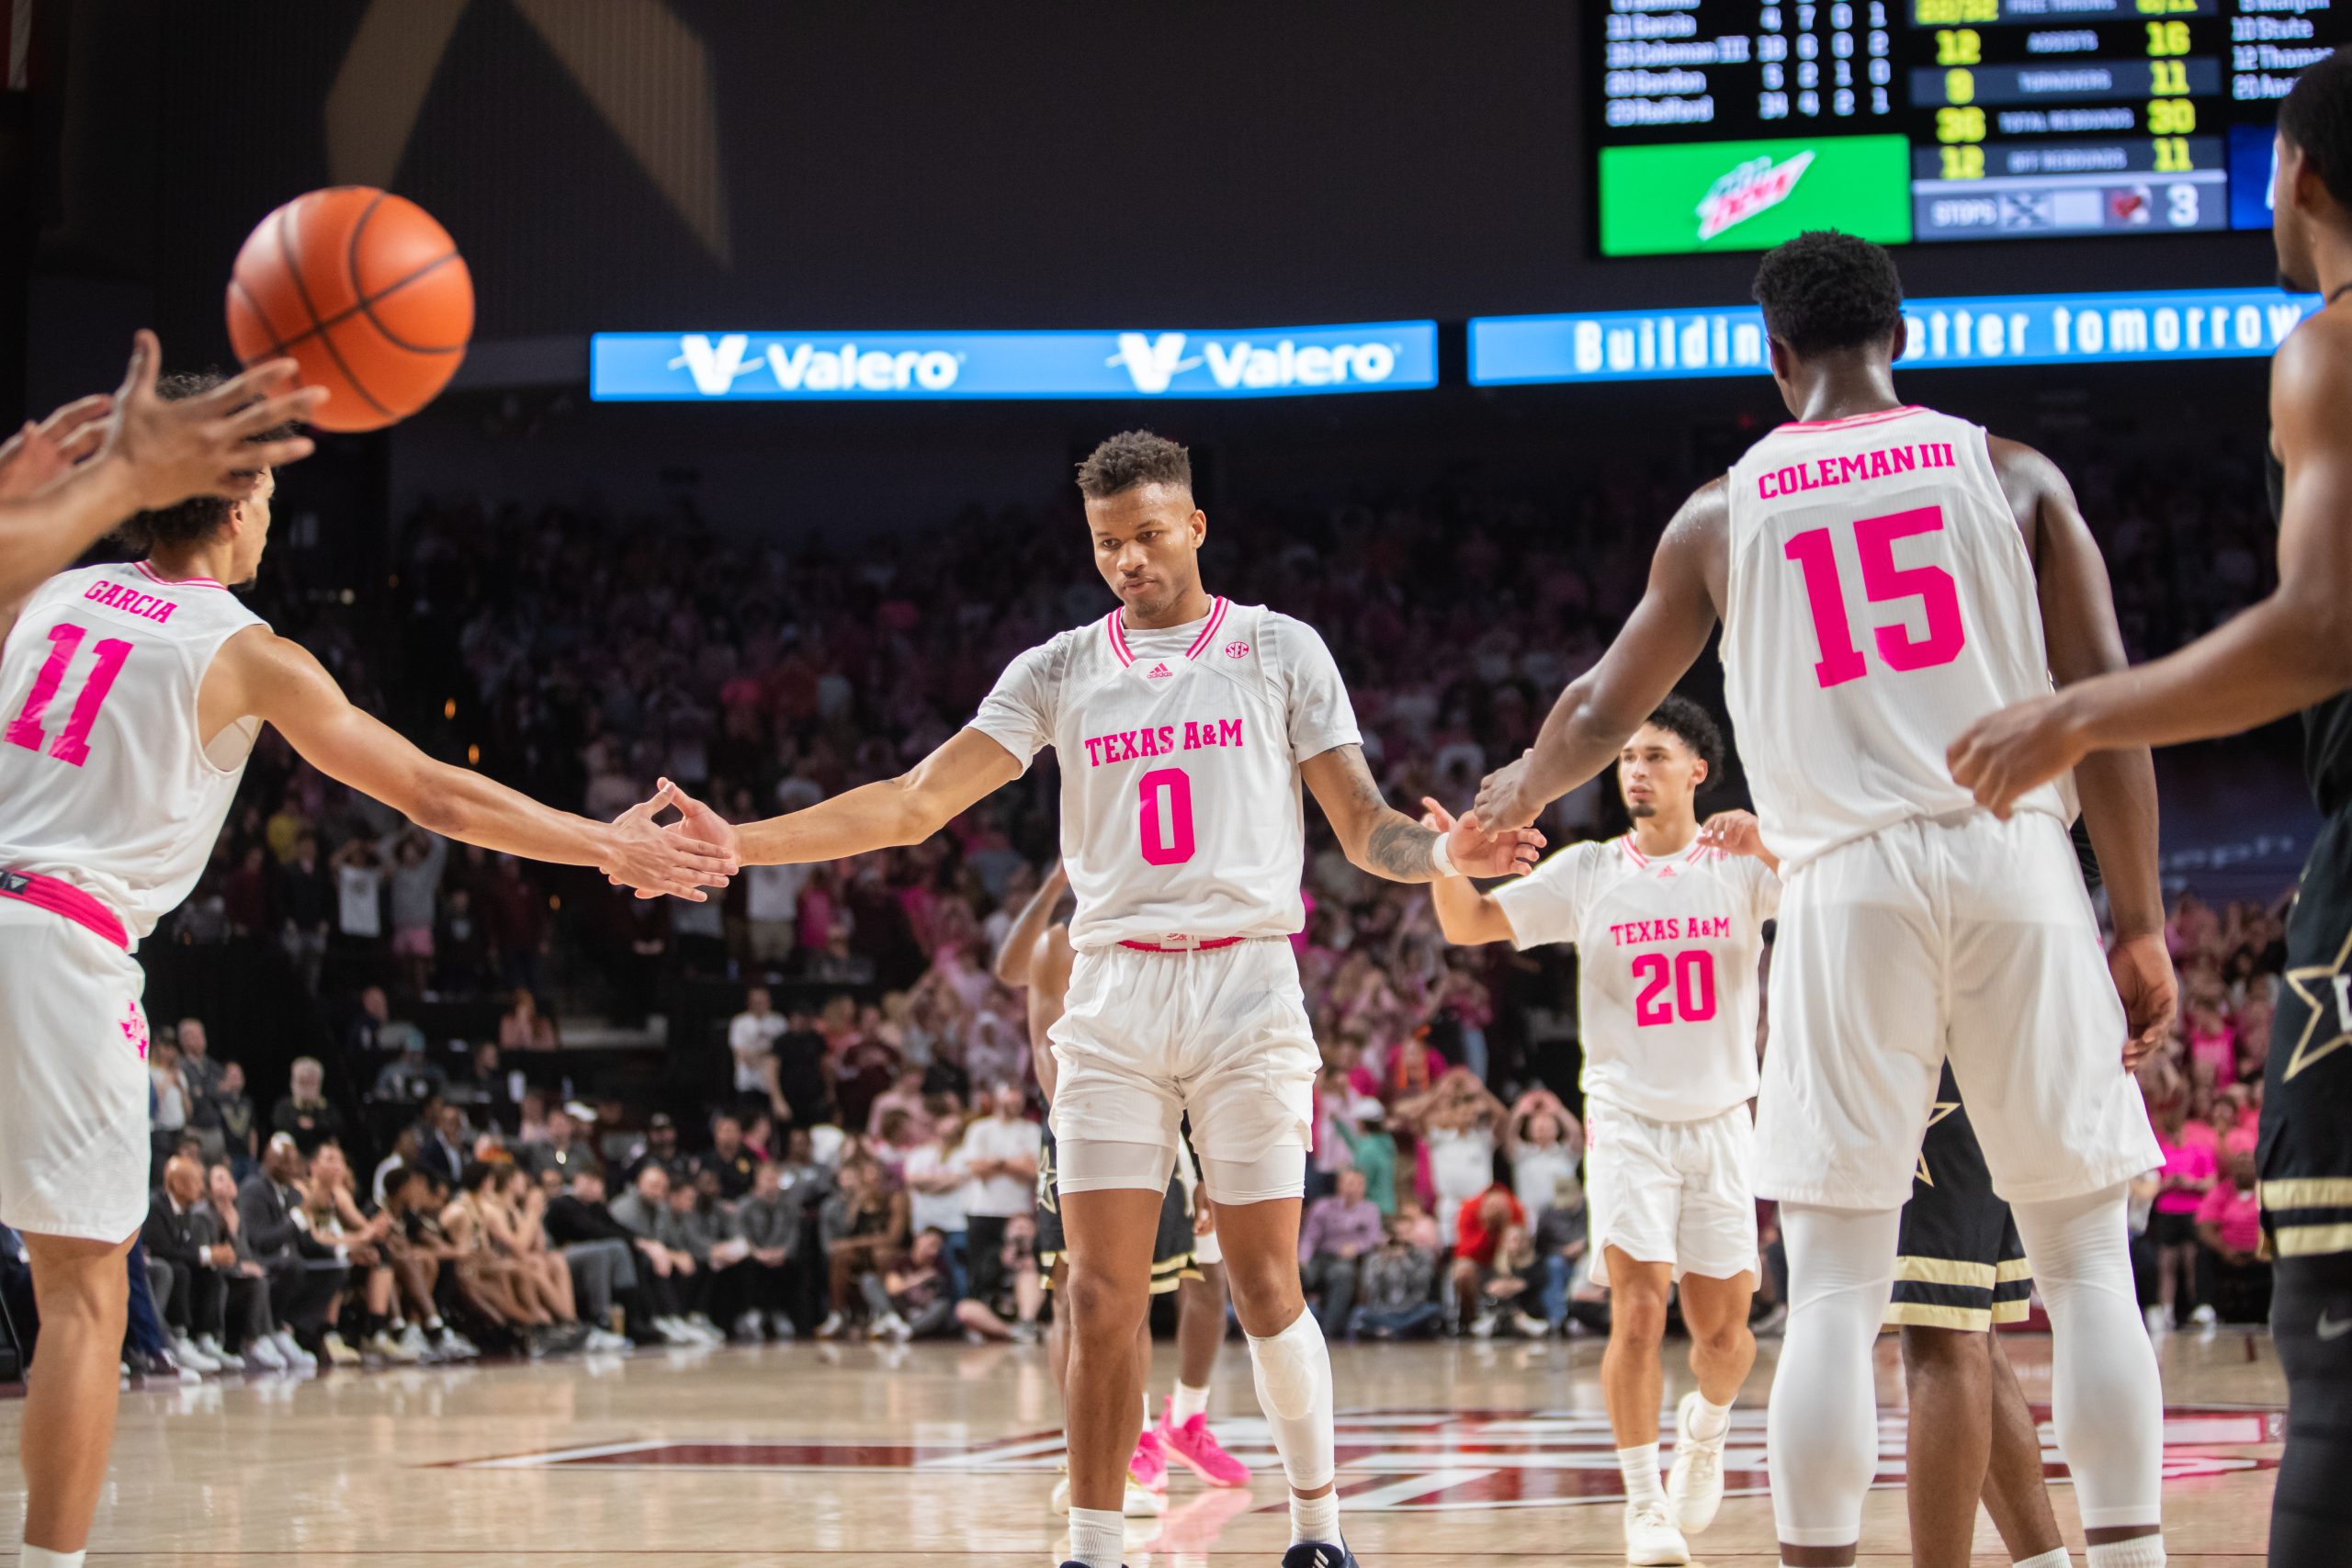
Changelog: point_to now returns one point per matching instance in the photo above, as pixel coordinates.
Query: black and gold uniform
(1959, 1263)
(1171, 1257)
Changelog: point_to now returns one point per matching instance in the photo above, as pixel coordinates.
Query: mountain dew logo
(1754, 186)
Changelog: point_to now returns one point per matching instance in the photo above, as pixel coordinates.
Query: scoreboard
(1735, 124)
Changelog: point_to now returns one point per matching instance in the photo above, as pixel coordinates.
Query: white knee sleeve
(1293, 1370)
(1279, 1172)
(2104, 1397)
(1821, 1427)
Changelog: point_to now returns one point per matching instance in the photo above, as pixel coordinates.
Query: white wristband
(1442, 857)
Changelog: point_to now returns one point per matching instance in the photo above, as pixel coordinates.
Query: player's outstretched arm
(1017, 956)
(1739, 833)
(1662, 637)
(259, 674)
(2287, 652)
(1383, 841)
(1467, 916)
(904, 810)
(143, 452)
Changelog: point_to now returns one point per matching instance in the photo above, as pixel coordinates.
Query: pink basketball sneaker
(1149, 1466)
(1200, 1451)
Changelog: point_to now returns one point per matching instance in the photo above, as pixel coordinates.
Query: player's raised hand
(637, 853)
(2143, 978)
(1436, 817)
(1504, 799)
(2004, 754)
(202, 445)
(35, 456)
(1734, 832)
(696, 821)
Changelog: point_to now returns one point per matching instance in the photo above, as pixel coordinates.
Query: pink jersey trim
(1208, 632)
(1632, 854)
(65, 898)
(1880, 417)
(1118, 637)
(1195, 947)
(151, 574)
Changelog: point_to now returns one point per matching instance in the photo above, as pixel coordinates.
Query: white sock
(42, 1557)
(1640, 1468)
(2144, 1551)
(1293, 1371)
(1097, 1537)
(1708, 1420)
(2105, 1398)
(1189, 1402)
(1314, 1519)
(2055, 1558)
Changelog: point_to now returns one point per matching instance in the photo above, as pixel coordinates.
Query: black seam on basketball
(367, 301)
(286, 254)
(276, 344)
(347, 312)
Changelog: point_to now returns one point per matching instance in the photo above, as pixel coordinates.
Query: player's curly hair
(1695, 728)
(2317, 117)
(198, 517)
(1133, 459)
(1824, 291)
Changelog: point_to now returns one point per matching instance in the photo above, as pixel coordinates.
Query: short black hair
(1824, 291)
(1695, 728)
(2317, 117)
(1131, 459)
(198, 518)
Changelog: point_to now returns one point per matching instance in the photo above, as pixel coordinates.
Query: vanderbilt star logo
(1943, 1108)
(2322, 988)
(1048, 1190)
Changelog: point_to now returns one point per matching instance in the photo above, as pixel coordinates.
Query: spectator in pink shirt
(2186, 1176)
(2229, 1224)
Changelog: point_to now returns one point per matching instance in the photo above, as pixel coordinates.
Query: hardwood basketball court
(810, 1455)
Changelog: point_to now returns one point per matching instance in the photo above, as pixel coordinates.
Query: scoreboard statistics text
(1734, 124)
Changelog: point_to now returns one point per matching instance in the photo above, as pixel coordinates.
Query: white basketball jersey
(1880, 601)
(1179, 749)
(1666, 956)
(104, 782)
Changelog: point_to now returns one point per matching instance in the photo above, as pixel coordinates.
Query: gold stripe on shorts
(2008, 1270)
(1944, 1271)
(1924, 1314)
(2311, 1241)
(2308, 1192)
(2012, 1312)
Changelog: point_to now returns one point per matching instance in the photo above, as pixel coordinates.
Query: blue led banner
(1377, 356)
(2022, 328)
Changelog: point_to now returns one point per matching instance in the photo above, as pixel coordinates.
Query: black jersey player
(2291, 651)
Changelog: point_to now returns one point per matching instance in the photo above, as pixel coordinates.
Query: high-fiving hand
(36, 456)
(1476, 853)
(679, 860)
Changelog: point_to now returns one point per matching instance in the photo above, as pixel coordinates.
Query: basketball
(366, 292)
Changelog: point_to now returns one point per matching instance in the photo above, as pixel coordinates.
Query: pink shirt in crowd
(2184, 1161)
(2235, 1213)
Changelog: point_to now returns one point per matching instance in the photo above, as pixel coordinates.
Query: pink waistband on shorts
(1185, 944)
(65, 898)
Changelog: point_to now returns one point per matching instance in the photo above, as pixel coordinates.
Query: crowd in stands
(871, 1169)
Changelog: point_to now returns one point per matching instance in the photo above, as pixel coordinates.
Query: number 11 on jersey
(73, 743)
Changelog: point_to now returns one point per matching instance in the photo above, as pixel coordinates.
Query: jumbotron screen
(1734, 124)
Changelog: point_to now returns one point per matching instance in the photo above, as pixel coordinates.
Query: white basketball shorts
(1677, 1192)
(1962, 936)
(74, 1148)
(1146, 1036)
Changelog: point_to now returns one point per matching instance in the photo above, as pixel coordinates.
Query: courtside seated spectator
(861, 1224)
(1397, 1288)
(305, 1276)
(770, 1221)
(1337, 1233)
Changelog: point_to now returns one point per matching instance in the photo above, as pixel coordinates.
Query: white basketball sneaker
(1695, 1483)
(1651, 1540)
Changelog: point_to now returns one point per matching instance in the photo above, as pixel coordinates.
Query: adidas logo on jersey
(1159, 672)
(1663, 871)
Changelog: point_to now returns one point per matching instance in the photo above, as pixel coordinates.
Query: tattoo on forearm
(1402, 850)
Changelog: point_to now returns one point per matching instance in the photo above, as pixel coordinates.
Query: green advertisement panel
(1750, 196)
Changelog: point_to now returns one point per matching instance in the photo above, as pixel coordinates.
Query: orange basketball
(366, 292)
